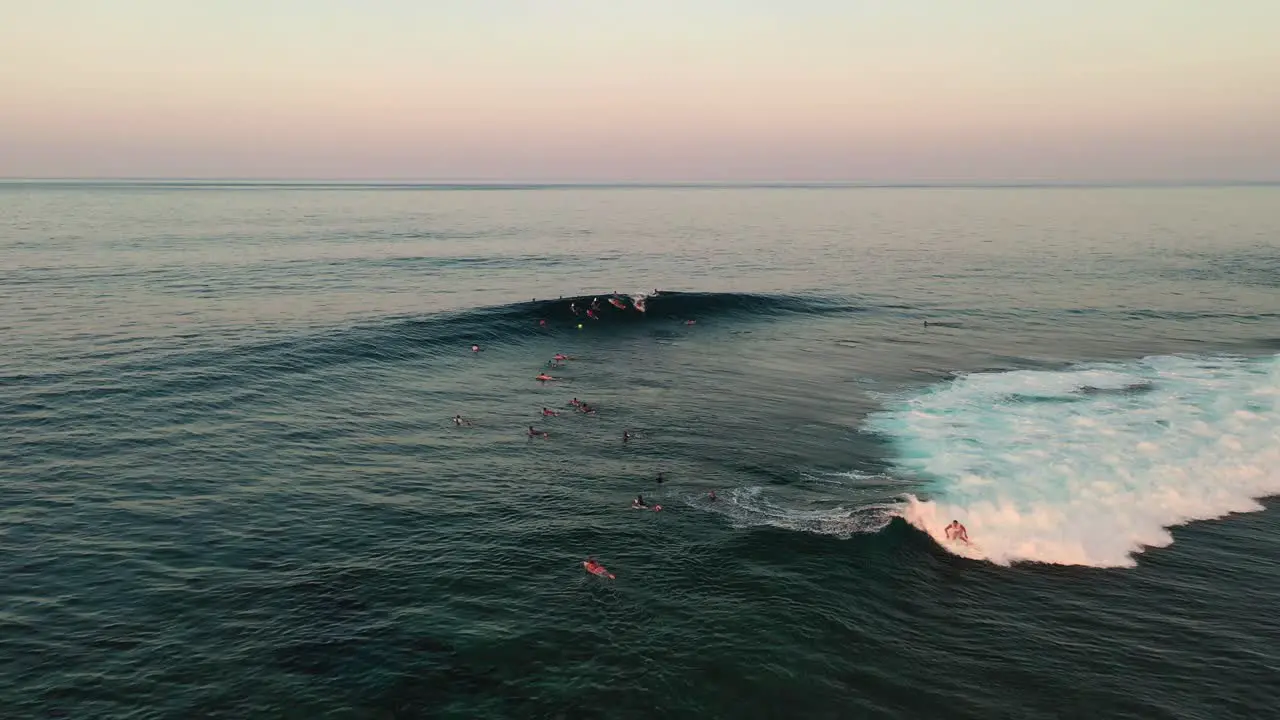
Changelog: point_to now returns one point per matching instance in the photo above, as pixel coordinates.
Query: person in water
(626, 435)
(596, 568)
(543, 377)
(575, 402)
(536, 433)
(573, 308)
(586, 408)
(711, 496)
(956, 531)
(639, 502)
(460, 421)
(549, 413)
(661, 479)
(475, 348)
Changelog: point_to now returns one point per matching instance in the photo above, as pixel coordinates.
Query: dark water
(230, 486)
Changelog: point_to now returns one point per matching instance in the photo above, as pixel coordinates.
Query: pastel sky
(616, 90)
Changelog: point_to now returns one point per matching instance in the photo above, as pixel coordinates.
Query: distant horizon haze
(505, 91)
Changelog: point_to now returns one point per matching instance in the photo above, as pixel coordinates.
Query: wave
(680, 305)
(750, 507)
(450, 333)
(1089, 465)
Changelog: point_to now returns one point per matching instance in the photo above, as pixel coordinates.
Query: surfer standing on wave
(956, 531)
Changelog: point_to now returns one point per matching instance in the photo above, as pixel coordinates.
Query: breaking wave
(1090, 465)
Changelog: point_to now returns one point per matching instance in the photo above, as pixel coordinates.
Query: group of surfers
(955, 531)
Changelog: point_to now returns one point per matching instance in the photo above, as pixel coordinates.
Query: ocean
(231, 486)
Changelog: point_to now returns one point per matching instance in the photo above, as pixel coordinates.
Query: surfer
(560, 357)
(543, 377)
(475, 348)
(626, 435)
(638, 503)
(690, 322)
(586, 409)
(711, 496)
(549, 413)
(956, 531)
(661, 479)
(592, 314)
(460, 421)
(596, 568)
(575, 402)
(537, 433)
(573, 308)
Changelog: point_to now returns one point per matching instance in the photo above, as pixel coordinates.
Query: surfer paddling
(596, 568)
(640, 504)
(956, 531)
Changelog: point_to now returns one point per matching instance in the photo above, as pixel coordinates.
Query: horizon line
(490, 183)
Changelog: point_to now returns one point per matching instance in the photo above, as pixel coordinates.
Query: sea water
(230, 485)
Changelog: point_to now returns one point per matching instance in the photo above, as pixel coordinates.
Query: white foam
(1091, 465)
(750, 507)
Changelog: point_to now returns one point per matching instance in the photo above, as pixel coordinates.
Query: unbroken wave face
(1091, 465)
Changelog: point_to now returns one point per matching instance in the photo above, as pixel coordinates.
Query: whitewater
(1089, 465)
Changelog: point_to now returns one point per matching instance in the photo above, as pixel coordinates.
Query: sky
(650, 90)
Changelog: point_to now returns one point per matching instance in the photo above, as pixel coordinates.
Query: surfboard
(970, 549)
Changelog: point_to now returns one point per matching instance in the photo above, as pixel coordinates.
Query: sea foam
(1090, 465)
